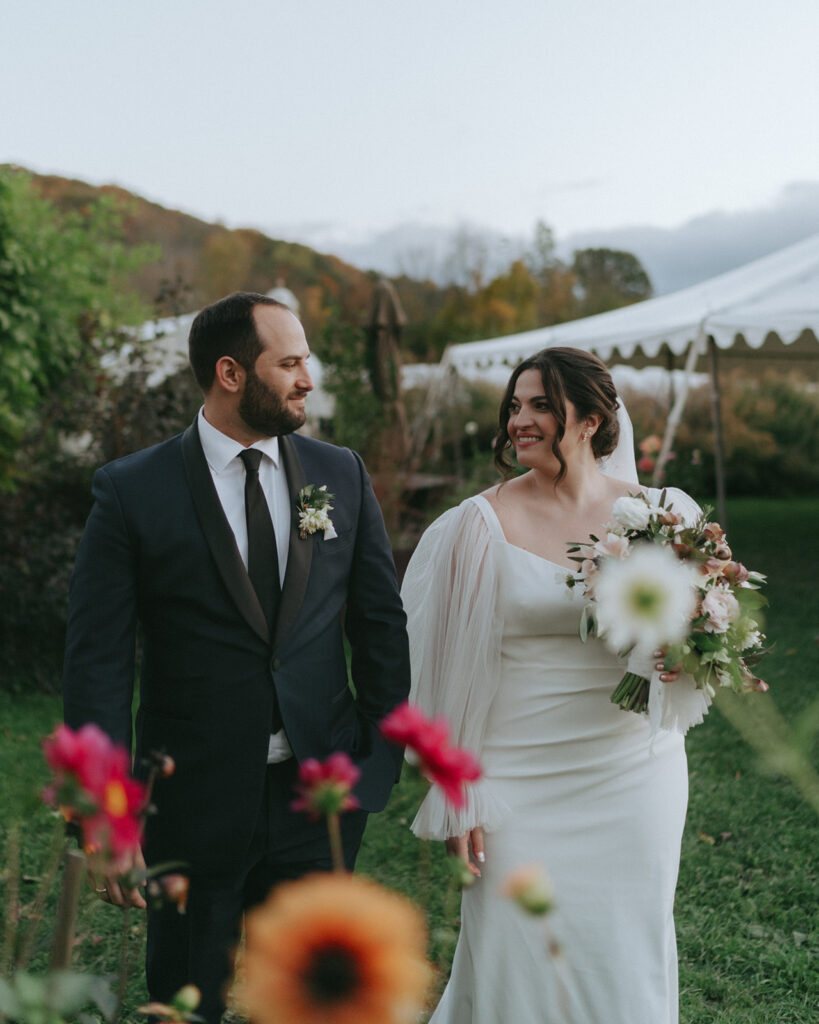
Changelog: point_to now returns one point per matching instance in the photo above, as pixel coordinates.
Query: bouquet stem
(631, 693)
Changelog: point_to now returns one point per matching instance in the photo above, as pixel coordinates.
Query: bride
(594, 794)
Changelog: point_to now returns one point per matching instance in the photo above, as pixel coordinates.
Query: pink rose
(721, 607)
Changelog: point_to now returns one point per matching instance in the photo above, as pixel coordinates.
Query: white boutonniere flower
(313, 505)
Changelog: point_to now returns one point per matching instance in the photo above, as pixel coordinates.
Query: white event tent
(766, 311)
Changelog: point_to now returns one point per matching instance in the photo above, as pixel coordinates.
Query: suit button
(275, 664)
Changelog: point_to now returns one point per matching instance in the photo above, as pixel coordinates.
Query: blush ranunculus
(721, 607)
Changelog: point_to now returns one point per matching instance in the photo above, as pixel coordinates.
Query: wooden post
(719, 448)
(63, 943)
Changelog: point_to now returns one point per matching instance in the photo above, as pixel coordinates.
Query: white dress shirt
(228, 474)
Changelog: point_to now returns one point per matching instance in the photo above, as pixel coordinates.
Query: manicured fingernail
(481, 857)
(659, 666)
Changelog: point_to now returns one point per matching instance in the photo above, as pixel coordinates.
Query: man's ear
(229, 375)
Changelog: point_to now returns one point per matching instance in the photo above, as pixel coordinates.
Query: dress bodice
(533, 598)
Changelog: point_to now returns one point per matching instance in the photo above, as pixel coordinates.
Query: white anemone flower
(644, 601)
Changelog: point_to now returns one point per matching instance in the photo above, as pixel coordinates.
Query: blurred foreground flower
(333, 949)
(181, 1008)
(531, 889)
(92, 788)
(170, 888)
(447, 766)
(325, 787)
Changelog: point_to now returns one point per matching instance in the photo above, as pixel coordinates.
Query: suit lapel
(219, 535)
(299, 552)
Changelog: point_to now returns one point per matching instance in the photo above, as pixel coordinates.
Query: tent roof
(756, 308)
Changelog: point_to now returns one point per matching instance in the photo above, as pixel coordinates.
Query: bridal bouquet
(655, 582)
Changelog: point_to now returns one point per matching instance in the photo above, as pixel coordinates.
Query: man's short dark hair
(226, 328)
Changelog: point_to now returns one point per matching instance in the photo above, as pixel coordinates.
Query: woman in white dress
(595, 794)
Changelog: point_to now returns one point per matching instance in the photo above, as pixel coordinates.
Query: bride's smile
(532, 425)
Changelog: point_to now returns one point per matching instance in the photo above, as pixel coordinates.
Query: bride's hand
(667, 675)
(459, 846)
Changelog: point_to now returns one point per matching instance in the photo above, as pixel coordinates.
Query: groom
(243, 621)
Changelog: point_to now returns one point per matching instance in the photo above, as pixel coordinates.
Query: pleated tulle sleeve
(679, 705)
(450, 595)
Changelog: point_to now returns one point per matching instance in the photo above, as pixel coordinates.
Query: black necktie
(262, 555)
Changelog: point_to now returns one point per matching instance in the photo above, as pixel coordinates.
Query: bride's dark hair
(568, 374)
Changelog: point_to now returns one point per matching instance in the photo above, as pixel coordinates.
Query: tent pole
(719, 448)
(675, 415)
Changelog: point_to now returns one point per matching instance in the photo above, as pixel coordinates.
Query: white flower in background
(644, 601)
(721, 607)
(631, 513)
(748, 635)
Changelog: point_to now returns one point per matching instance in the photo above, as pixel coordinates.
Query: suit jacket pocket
(341, 542)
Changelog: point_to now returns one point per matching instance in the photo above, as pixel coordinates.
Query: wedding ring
(99, 892)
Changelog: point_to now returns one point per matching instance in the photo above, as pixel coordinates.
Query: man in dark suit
(243, 672)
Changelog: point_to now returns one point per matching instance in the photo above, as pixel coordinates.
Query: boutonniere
(313, 505)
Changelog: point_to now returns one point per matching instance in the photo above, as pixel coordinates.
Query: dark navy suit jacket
(157, 550)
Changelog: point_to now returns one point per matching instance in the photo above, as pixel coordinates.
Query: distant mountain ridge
(674, 257)
(201, 261)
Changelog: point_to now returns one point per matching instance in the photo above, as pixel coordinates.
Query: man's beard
(264, 411)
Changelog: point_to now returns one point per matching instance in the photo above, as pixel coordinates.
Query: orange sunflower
(334, 949)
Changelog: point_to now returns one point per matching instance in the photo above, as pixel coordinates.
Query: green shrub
(770, 436)
(42, 521)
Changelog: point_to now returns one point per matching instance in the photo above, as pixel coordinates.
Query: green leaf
(583, 629)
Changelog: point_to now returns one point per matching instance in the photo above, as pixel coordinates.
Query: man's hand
(110, 890)
(459, 846)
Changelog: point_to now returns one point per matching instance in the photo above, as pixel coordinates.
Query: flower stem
(35, 915)
(336, 849)
(12, 898)
(631, 693)
(124, 965)
(62, 945)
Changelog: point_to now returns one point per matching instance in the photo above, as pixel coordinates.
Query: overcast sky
(344, 117)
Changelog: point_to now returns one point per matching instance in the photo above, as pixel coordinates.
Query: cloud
(714, 242)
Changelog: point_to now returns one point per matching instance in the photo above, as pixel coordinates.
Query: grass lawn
(748, 894)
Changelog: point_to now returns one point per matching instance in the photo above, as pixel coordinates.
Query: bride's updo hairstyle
(568, 374)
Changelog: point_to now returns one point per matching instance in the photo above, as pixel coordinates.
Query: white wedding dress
(594, 794)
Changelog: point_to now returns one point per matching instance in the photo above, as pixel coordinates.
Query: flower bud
(530, 888)
(735, 572)
(175, 889)
(722, 551)
(187, 999)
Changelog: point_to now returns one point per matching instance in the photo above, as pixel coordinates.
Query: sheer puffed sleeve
(450, 596)
(679, 705)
